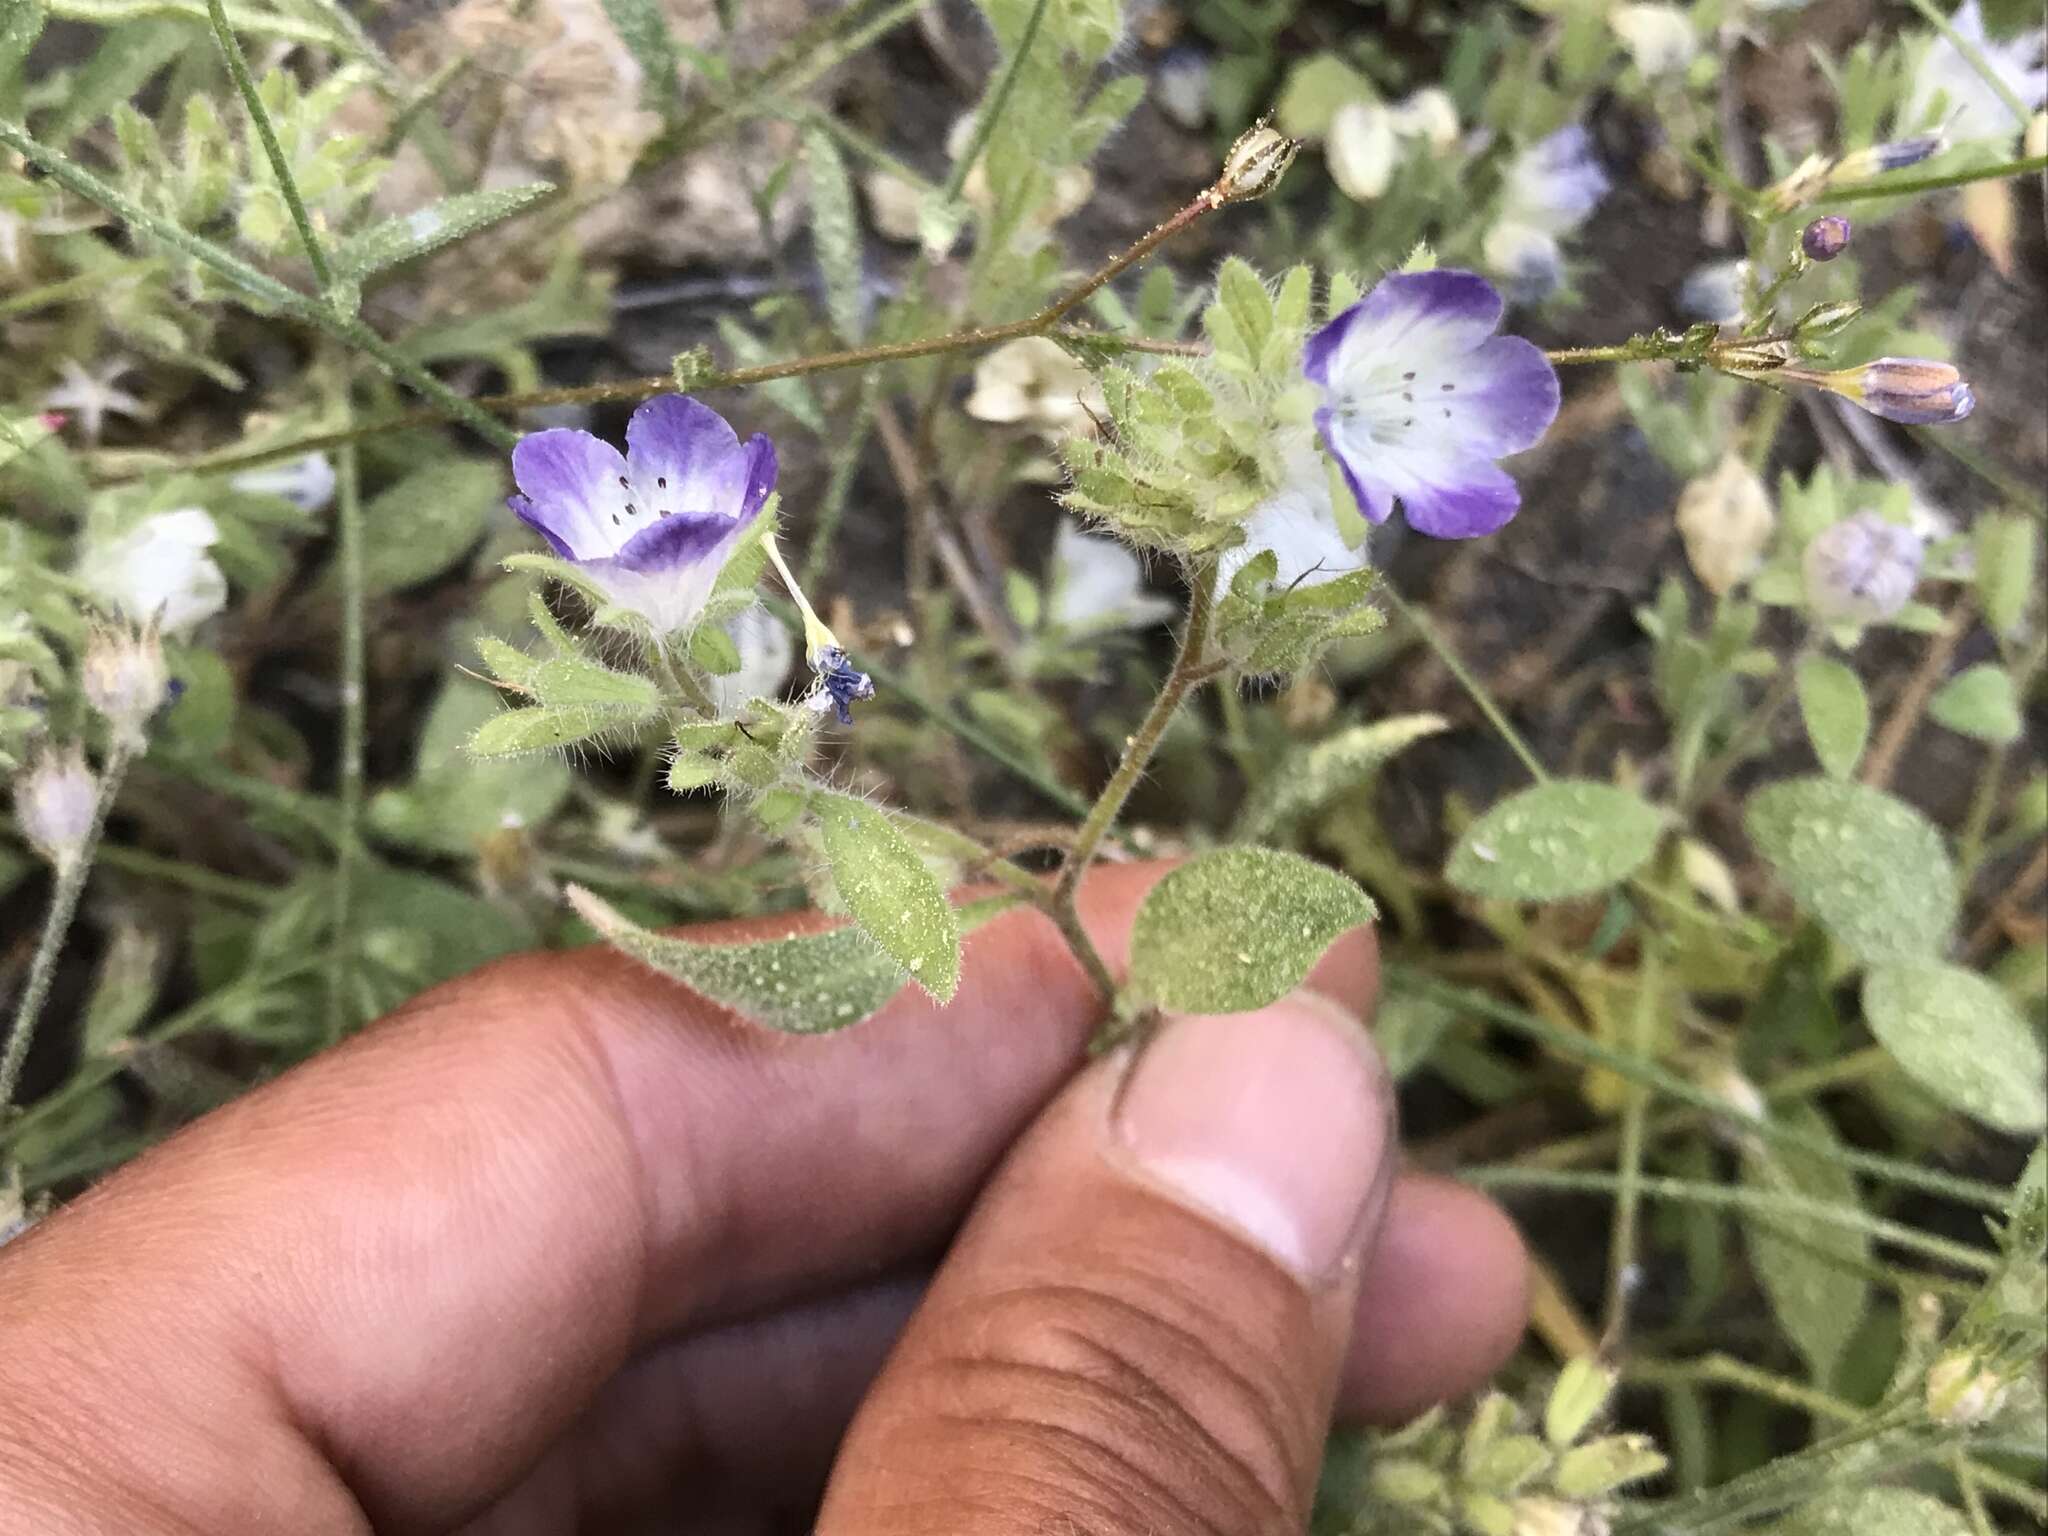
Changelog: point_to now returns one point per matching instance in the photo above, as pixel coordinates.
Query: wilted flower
(840, 685)
(125, 680)
(766, 649)
(1420, 397)
(1893, 155)
(1862, 569)
(1360, 150)
(1911, 390)
(651, 529)
(1098, 584)
(1659, 38)
(159, 571)
(1725, 518)
(1035, 382)
(54, 802)
(1947, 84)
(1714, 292)
(90, 397)
(1826, 237)
(307, 482)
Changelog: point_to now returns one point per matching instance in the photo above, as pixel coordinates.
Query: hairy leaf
(1314, 775)
(1960, 1037)
(1812, 1272)
(890, 892)
(1837, 713)
(1567, 838)
(404, 236)
(1980, 701)
(1234, 929)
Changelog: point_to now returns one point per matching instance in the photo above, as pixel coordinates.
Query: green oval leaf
(1876, 1512)
(1814, 1274)
(1566, 838)
(1234, 929)
(1980, 701)
(1960, 1037)
(1869, 867)
(890, 892)
(1837, 713)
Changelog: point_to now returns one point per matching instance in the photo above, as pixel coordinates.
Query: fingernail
(1276, 1123)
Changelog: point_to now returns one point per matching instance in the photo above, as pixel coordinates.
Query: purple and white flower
(1420, 398)
(1552, 187)
(1862, 570)
(650, 529)
(1913, 390)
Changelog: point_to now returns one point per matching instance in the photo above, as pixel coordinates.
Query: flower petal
(684, 458)
(1506, 399)
(1408, 314)
(575, 493)
(666, 571)
(1463, 499)
(1375, 502)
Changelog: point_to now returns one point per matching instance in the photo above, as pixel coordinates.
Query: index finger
(419, 1255)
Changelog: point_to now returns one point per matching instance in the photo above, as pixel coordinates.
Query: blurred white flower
(1528, 262)
(1361, 150)
(1553, 186)
(766, 650)
(90, 397)
(1098, 583)
(1180, 87)
(1862, 570)
(1714, 292)
(1659, 38)
(306, 482)
(1428, 115)
(1034, 382)
(159, 571)
(1725, 518)
(896, 206)
(1948, 90)
(1299, 524)
(1072, 185)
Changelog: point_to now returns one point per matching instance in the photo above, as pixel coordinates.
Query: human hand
(561, 1247)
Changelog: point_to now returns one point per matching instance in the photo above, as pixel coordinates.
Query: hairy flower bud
(125, 680)
(54, 802)
(1862, 569)
(1825, 320)
(1255, 164)
(1826, 237)
(1912, 390)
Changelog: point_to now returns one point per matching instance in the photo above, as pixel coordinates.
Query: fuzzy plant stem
(348, 519)
(266, 134)
(1622, 1270)
(42, 969)
(1191, 668)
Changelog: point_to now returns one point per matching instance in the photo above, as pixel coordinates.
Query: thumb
(1140, 1327)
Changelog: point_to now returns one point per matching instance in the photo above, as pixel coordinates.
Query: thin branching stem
(1474, 689)
(348, 529)
(266, 135)
(42, 968)
(1621, 1248)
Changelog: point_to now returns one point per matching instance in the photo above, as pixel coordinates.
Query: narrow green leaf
(805, 984)
(890, 892)
(1814, 1274)
(1980, 701)
(1315, 775)
(2008, 554)
(577, 683)
(516, 731)
(408, 235)
(835, 230)
(1567, 838)
(1234, 929)
(1241, 293)
(1961, 1038)
(643, 27)
(1837, 713)
(1871, 869)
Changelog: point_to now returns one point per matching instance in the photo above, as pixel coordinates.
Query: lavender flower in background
(840, 684)
(1420, 397)
(54, 803)
(1553, 187)
(1862, 570)
(159, 572)
(1911, 390)
(1097, 584)
(652, 529)
(1714, 292)
(1948, 87)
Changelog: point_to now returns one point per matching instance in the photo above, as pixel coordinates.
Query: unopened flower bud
(54, 803)
(1255, 164)
(1912, 390)
(1825, 320)
(1879, 158)
(1582, 1390)
(1749, 358)
(126, 680)
(1601, 1466)
(1961, 1393)
(1862, 569)
(1826, 237)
